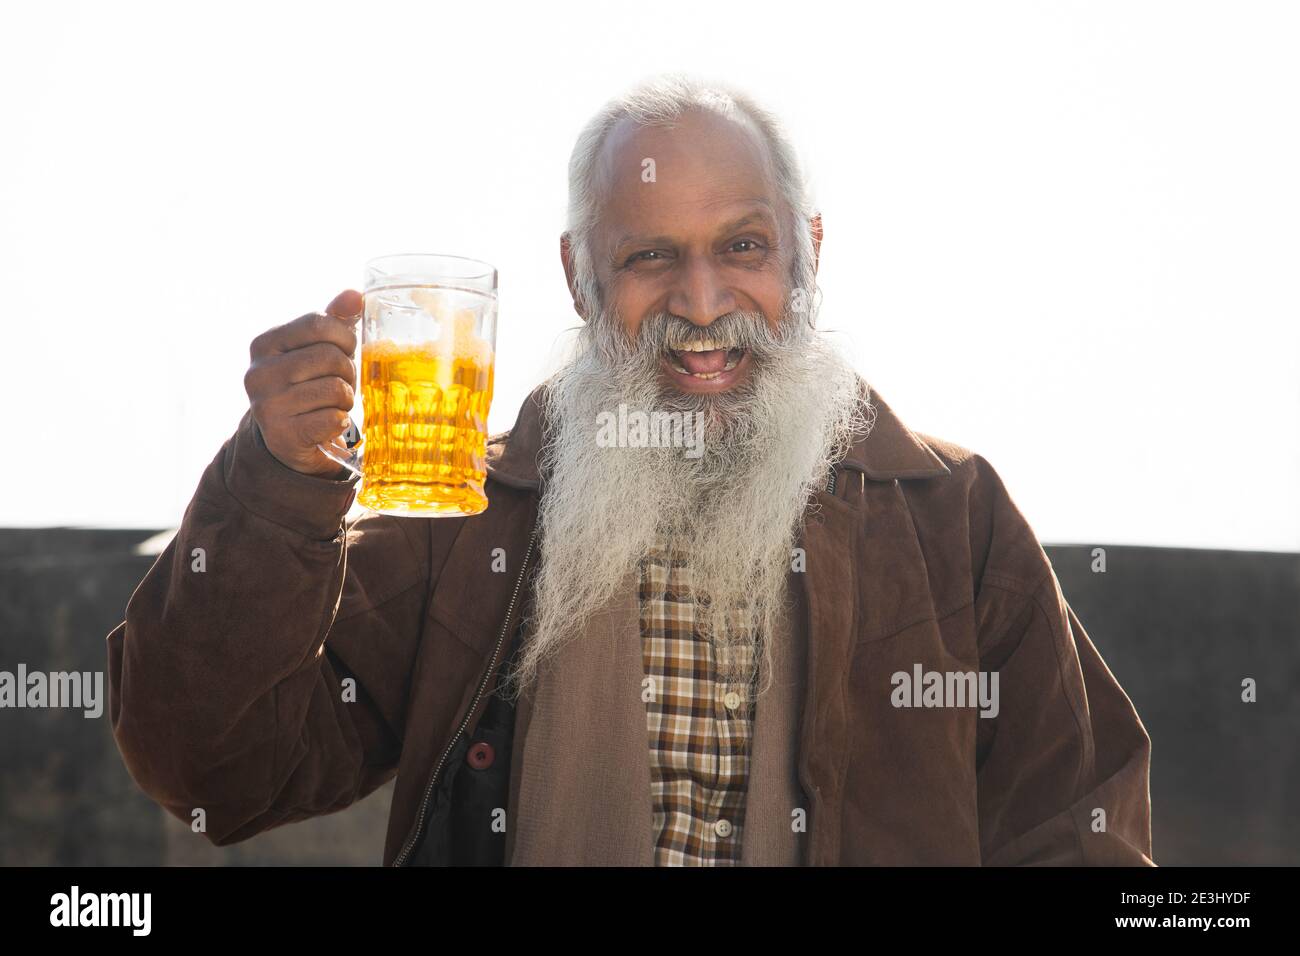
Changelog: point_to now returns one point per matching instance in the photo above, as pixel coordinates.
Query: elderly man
(816, 637)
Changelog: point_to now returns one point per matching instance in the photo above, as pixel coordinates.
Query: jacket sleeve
(261, 673)
(1063, 769)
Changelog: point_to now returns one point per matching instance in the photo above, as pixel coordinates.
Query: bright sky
(1061, 234)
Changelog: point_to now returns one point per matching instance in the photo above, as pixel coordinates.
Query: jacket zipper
(505, 629)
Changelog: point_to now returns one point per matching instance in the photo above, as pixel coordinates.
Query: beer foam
(457, 338)
(432, 302)
(449, 347)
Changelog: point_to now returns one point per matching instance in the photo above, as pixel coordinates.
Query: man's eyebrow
(758, 216)
(761, 215)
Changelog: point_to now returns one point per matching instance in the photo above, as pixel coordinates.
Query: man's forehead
(703, 159)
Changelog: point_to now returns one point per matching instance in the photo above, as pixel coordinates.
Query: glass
(428, 350)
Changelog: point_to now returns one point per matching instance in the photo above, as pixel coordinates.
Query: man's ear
(815, 225)
(566, 259)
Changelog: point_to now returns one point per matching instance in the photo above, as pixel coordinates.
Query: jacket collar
(889, 451)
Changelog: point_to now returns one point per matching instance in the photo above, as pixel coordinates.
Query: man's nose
(699, 294)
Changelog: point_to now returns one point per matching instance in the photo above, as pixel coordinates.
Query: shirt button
(722, 828)
(481, 755)
(732, 700)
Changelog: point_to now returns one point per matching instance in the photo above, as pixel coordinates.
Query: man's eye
(740, 242)
(636, 256)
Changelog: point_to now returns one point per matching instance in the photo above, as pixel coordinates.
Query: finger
(312, 361)
(306, 330)
(320, 426)
(327, 392)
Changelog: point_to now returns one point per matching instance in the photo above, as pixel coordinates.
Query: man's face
(708, 236)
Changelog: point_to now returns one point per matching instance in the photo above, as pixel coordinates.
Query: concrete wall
(1180, 629)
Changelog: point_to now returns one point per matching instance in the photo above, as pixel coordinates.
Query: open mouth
(705, 360)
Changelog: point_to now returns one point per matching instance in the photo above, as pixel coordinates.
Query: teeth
(708, 345)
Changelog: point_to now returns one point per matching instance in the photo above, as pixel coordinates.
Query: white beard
(735, 511)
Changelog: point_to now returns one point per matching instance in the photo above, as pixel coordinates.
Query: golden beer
(425, 435)
(428, 343)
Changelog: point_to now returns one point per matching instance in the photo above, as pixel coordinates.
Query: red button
(481, 755)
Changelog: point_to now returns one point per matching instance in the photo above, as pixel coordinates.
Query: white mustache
(736, 330)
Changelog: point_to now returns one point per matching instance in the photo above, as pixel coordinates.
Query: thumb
(345, 305)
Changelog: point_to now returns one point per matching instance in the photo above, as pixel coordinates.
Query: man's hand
(300, 384)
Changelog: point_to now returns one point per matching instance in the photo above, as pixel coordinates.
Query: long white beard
(735, 511)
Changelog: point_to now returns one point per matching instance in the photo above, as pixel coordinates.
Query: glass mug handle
(347, 448)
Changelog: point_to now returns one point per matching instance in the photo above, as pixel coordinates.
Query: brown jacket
(227, 694)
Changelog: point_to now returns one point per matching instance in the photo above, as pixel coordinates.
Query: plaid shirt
(700, 727)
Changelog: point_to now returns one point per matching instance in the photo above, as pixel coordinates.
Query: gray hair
(657, 102)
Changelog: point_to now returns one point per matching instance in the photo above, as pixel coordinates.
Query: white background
(1064, 235)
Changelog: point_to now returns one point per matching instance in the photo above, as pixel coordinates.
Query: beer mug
(427, 354)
